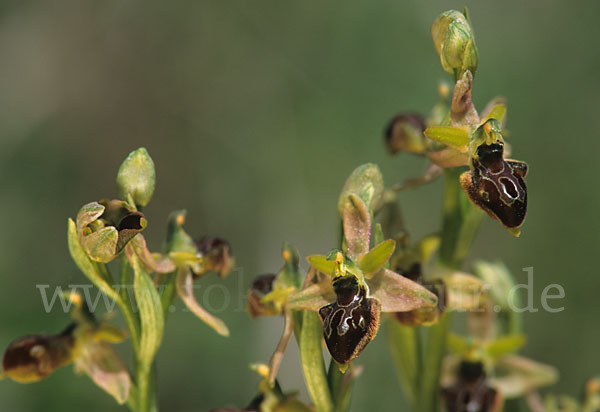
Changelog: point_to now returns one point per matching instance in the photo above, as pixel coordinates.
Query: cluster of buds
(455, 135)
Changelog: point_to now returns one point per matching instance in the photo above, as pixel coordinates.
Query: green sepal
(83, 262)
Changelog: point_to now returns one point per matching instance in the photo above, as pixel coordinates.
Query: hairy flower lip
(350, 322)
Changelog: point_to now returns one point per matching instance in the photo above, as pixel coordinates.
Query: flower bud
(216, 255)
(32, 358)
(136, 178)
(366, 182)
(404, 133)
(351, 322)
(455, 43)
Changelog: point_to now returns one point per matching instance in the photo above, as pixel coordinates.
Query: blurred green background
(255, 112)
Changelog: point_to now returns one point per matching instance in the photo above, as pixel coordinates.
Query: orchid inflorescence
(375, 275)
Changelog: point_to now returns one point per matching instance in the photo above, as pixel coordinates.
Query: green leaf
(85, 264)
(371, 262)
(452, 136)
(311, 356)
(151, 314)
(136, 178)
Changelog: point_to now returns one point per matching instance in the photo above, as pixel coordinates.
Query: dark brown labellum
(471, 393)
(351, 322)
(31, 358)
(497, 186)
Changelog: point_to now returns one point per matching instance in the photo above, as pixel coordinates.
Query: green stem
(313, 367)
(435, 350)
(405, 347)
(460, 224)
(126, 306)
(168, 290)
(340, 385)
(143, 375)
(461, 221)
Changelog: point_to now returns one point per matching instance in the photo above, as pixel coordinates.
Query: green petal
(371, 262)
(452, 136)
(322, 264)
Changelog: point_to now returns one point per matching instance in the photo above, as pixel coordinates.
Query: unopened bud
(455, 43)
(136, 178)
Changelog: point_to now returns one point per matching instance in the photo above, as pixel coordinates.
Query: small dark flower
(426, 316)
(194, 259)
(404, 133)
(261, 287)
(32, 358)
(216, 255)
(85, 342)
(471, 393)
(351, 322)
